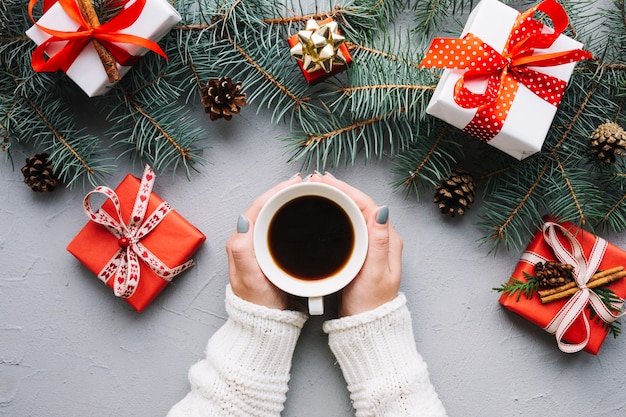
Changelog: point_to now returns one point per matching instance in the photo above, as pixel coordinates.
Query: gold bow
(318, 46)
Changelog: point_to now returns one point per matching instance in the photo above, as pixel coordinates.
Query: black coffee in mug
(310, 237)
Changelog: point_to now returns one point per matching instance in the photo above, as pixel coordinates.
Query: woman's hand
(246, 278)
(378, 281)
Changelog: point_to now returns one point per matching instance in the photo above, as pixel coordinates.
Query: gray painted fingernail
(382, 215)
(242, 224)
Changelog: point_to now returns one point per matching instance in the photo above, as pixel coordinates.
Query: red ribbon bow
(505, 71)
(124, 264)
(108, 34)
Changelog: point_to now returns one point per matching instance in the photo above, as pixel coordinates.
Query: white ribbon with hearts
(124, 265)
(583, 271)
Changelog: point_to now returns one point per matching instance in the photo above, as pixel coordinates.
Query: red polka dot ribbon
(506, 70)
(109, 34)
(124, 265)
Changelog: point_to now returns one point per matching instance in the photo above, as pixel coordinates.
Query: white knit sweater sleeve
(386, 376)
(247, 364)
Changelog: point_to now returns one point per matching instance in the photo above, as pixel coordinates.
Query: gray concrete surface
(68, 347)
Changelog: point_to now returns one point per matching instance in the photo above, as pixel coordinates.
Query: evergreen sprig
(610, 300)
(517, 286)
(375, 109)
(529, 286)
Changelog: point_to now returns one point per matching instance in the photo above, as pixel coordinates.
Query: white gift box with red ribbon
(155, 21)
(529, 117)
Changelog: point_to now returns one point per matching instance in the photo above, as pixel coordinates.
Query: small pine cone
(39, 173)
(455, 194)
(221, 98)
(553, 274)
(608, 141)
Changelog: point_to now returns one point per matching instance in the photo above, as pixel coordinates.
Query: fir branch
(46, 121)
(11, 40)
(151, 127)
(388, 82)
(298, 101)
(315, 139)
(426, 161)
(507, 224)
(183, 152)
(615, 218)
(377, 108)
(347, 91)
(515, 286)
(327, 138)
(192, 67)
(418, 172)
(611, 301)
(354, 46)
(336, 13)
(571, 191)
(193, 27)
(59, 136)
(5, 138)
(575, 117)
(432, 15)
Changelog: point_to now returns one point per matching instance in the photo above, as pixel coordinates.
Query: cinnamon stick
(108, 61)
(598, 280)
(602, 274)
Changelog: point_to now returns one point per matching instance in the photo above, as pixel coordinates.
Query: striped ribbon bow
(568, 249)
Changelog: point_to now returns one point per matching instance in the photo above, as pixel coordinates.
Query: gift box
(320, 50)
(138, 26)
(499, 85)
(571, 312)
(160, 241)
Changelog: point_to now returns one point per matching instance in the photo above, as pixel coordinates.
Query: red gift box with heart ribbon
(136, 249)
(570, 319)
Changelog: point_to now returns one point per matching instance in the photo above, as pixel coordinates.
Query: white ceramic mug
(314, 289)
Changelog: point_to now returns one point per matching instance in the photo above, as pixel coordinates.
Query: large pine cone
(39, 173)
(222, 98)
(455, 194)
(608, 141)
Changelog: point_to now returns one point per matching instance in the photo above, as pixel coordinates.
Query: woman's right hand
(378, 282)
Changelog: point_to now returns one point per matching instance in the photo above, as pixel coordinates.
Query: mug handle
(316, 306)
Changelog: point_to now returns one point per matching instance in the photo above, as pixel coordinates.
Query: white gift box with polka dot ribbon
(529, 117)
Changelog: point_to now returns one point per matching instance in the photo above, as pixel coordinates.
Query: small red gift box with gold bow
(505, 76)
(578, 313)
(135, 243)
(95, 56)
(320, 50)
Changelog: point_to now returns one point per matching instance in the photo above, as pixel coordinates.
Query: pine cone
(553, 274)
(455, 194)
(39, 173)
(608, 141)
(221, 98)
